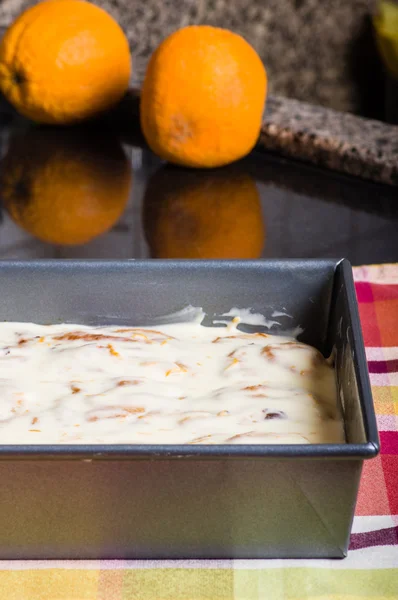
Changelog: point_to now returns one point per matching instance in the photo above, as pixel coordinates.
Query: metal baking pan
(255, 501)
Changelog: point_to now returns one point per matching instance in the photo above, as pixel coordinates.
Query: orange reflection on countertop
(65, 186)
(203, 214)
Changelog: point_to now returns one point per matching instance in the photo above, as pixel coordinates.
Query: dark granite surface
(332, 139)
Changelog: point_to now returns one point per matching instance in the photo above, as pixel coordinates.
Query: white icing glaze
(180, 383)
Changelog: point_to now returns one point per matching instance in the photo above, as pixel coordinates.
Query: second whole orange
(203, 97)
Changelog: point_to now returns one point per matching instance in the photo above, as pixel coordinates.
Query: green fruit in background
(386, 26)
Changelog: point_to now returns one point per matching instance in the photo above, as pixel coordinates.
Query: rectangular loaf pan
(257, 501)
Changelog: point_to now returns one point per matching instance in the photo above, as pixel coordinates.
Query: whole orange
(203, 97)
(65, 186)
(62, 61)
(191, 214)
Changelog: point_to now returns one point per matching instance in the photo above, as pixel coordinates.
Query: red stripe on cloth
(389, 443)
(373, 496)
(364, 291)
(387, 320)
(390, 471)
(370, 324)
(383, 366)
(384, 292)
(381, 537)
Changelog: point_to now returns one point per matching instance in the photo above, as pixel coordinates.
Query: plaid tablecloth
(371, 569)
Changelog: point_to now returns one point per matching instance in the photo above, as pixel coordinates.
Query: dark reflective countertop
(98, 192)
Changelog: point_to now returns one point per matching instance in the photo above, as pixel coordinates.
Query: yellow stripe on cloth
(51, 584)
(199, 584)
(117, 584)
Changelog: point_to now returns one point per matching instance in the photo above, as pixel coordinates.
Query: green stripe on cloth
(314, 584)
(178, 584)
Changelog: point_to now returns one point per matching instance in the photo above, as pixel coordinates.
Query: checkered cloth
(371, 569)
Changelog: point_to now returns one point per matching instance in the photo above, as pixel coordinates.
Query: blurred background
(319, 51)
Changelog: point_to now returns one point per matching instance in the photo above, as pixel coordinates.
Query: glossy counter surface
(83, 194)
